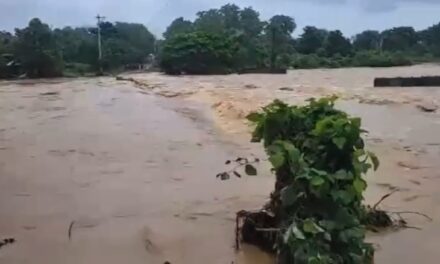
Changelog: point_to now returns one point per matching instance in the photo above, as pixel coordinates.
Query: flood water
(99, 171)
(134, 174)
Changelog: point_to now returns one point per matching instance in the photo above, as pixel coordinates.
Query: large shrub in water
(198, 53)
(319, 160)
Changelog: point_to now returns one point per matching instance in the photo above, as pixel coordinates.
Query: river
(104, 171)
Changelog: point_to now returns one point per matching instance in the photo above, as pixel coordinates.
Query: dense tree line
(39, 51)
(258, 44)
(227, 39)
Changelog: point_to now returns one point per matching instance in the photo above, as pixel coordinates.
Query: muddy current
(105, 171)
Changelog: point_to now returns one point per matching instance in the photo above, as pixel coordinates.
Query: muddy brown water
(99, 171)
(132, 174)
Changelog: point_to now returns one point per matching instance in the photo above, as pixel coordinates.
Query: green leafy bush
(198, 53)
(380, 59)
(77, 69)
(310, 61)
(319, 160)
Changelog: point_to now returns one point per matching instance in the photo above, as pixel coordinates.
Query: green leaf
(317, 181)
(359, 185)
(374, 160)
(295, 231)
(343, 196)
(339, 142)
(356, 122)
(288, 196)
(313, 260)
(309, 226)
(254, 117)
(343, 175)
(351, 234)
(294, 153)
(277, 159)
(298, 233)
(318, 172)
(250, 170)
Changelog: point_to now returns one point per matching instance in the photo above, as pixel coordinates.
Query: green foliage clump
(308, 61)
(76, 69)
(380, 59)
(319, 160)
(313, 61)
(258, 45)
(198, 53)
(36, 50)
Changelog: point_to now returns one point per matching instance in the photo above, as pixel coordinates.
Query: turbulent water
(105, 171)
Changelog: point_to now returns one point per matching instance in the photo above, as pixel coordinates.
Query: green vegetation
(316, 211)
(35, 48)
(39, 51)
(270, 45)
(198, 53)
(252, 43)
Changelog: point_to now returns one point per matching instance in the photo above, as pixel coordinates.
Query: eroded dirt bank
(130, 168)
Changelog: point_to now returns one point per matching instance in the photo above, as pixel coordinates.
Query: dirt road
(100, 171)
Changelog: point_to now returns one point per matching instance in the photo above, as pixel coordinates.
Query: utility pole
(100, 20)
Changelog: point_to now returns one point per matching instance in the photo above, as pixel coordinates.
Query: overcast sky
(350, 16)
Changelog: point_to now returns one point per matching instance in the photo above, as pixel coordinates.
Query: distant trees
(43, 52)
(126, 43)
(430, 39)
(6, 50)
(336, 43)
(39, 51)
(178, 26)
(399, 39)
(271, 45)
(367, 40)
(279, 33)
(256, 44)
(311, 40)
(198, 53)
(36, 49)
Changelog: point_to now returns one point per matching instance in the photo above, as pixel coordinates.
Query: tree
(210, 21)
(279, 33)
(137, 35)
(198, 53)
(178, 26)
(252, 51)
(75, 44)
(311, 40)
(122, 43)
(231, 17)
(336, 43)
(6, 42)
(37, 51)
(6, 49)
(367, 40)
(399, 39)
(250, 23)
(430, 39)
